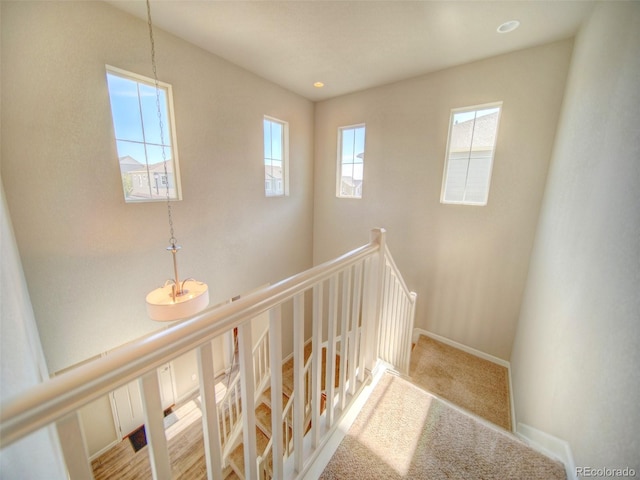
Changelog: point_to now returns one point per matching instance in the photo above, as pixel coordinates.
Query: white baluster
(360, 322)
(247, 382)
(275, 350)
(411, 311)
(316, 365)
(345, 344)
(73, 447)
(393, 318)
(154, 426)
(210, 420)
(330, 374)
(299, 386)
(354, 345)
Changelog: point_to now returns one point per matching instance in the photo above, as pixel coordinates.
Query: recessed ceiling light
(509, 26)
(318, 84)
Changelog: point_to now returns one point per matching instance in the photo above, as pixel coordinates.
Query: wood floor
(186, 452)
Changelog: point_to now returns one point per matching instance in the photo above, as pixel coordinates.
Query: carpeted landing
(470, 382)
(403, 432)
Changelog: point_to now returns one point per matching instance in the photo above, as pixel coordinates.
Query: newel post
(372, 301)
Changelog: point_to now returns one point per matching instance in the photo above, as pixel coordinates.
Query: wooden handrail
(53, 399)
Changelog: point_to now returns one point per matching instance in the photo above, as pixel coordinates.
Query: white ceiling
(354, 45)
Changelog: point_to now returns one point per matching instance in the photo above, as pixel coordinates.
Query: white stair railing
(363, 293)
(230, 412)
(230, 407)
(397, 317)
(261, 364)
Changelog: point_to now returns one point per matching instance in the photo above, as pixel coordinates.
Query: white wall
(22, 363)
(575, 362)
(88, 257)
(468, 264)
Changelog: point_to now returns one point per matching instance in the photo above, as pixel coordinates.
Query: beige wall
(88, 257)
(576, 359)
(468, 264)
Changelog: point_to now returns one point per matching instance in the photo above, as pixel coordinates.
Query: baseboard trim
(550, 446)
(290, 356)
(477, 353)
(104, 450)
(511, 402)
(460, 346)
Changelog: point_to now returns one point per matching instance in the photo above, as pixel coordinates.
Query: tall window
(146, 170)
(472, 139)
(276, 157)
(350, 161)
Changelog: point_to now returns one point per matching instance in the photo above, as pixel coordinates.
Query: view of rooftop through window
(470, 151)
(351, 161)
(275, 155)
(140, 138)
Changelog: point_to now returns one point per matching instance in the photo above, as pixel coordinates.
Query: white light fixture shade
(509, 26)
(162, 307)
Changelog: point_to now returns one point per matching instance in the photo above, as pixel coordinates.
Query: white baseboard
(511, 402)
(290, 356)
(550, 446)
(477, 353)
(460, 346)
(104, 450)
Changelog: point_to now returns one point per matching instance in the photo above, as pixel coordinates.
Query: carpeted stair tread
(287, 370)
(266, 398)
(263, 419)
(236, 458)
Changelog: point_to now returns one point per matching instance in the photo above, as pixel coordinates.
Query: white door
(165, 378)
(127, 401)
(128, 405)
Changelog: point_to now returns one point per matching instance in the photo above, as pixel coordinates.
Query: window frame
(169, 131)
(469, 109)
(339, 162)
(285, 156)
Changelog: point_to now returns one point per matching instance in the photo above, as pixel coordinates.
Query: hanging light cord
(178, 288)
(183, 303)
(172, 239)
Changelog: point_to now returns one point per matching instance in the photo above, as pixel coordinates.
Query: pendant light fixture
(176, 299)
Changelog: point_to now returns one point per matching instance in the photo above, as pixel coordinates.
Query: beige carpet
(477, 385)
(404, 432)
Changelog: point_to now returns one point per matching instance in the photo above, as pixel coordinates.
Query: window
(276, 157)
(146, 146)
(470, 149)
(350, 161)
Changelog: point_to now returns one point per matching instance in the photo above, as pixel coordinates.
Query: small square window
(145, 142)
(276, 157)
(350, 161)
(470, 151)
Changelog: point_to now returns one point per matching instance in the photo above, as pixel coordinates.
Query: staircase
(264, 420)
(356, 310)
